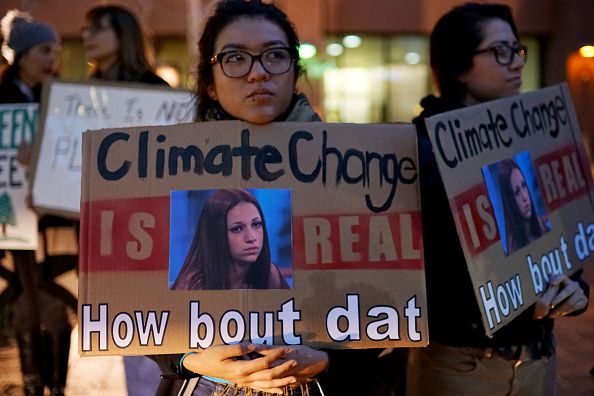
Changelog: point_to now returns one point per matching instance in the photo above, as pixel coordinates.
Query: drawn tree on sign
(6, 212)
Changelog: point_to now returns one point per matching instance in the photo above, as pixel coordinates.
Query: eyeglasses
(504, 54)
(237, 63)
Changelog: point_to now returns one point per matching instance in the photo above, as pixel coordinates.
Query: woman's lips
(515, 80)
(260, 94)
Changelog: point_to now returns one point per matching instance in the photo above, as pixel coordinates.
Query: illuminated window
(383, 78)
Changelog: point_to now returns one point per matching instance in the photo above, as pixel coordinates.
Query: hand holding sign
(225, 362)
(563, 297)
(310, 362)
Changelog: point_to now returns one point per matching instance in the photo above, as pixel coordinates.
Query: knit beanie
(20, 33)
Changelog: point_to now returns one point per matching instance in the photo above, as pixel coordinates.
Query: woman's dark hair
(134, 54)
(10, 72)
(454, 40)
(208, 263)
(226, 12)
(516, 232)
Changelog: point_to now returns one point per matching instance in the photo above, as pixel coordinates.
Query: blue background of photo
(491, 177)
(186, 206)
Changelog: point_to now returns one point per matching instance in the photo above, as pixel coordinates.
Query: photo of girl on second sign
(229, 242)
(517, 202)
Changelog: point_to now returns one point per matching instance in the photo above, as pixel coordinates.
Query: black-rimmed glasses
(237, 63)
(504, 54)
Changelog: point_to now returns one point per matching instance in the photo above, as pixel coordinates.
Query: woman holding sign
(476, 57)
(230, 249)
(40, 319)
(248, 71)
(522, 223)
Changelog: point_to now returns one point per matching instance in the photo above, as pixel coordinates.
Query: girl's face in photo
(487, 79)
(521, 193)
(258, 97)
(245, 232)
(100, 42)
(39, 63)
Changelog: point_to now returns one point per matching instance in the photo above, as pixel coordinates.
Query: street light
(307, 51)
(587, 51)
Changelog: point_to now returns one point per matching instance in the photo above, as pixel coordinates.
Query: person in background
(230, 248)
(116, 46)
(32, 50)
(117, 49)
(42, 327)
(248, 71)
(476, 56)
(522, 222)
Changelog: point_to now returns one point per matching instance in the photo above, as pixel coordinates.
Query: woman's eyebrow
(245, 47)
(495, 43)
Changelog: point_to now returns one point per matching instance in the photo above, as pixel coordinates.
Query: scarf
(299, 110)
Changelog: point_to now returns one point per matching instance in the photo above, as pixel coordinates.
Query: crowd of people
(248, 70)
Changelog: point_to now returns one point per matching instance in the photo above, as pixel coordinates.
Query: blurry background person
(32, 50)
(116, 46)
(230, 248)
(476, 56)
(40, 319)
(117, 49)
(522, 222)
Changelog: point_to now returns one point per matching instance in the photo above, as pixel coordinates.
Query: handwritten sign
(72, 108)
(524, 209)
(18, 223)
(355, 278)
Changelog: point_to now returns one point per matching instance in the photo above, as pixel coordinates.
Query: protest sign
(524, 208)
(18, 223)
(352, 273)
(71, 108)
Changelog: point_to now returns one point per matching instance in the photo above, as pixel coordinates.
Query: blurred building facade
(368, 60)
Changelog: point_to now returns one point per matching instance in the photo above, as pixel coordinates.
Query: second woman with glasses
(476, 57)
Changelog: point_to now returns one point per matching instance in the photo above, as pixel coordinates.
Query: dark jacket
(447, 277)
(11, 91)
(37, 304)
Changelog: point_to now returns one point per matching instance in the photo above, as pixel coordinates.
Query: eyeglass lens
(505, 53)
(239, 63)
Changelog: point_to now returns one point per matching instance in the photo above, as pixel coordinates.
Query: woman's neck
(470, 100)
(29, 80)
(106, 65)
(526, 223)
(238, 275)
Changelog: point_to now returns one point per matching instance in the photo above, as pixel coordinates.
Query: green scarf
(300, 111)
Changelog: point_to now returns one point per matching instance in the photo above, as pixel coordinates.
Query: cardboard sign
(524, 208)
(345, 202)
(18, 223)
(71, 108)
